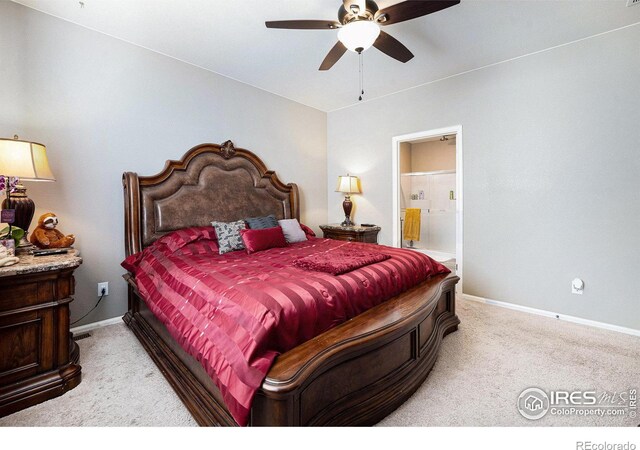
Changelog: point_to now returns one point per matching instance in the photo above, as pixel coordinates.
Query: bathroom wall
(405, 157)
(433, 155)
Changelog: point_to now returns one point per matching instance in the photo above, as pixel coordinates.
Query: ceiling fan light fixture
(359, 35)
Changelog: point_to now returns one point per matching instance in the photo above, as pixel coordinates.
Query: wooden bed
(353, 374)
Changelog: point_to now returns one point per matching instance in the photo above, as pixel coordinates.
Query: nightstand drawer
(26, 294)
(369, 238)
(341, 237)
(34, 289)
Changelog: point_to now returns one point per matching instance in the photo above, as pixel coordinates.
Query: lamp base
(28, 249)
(24, 208)
(25, 244)
(347, 205)
(347, 222)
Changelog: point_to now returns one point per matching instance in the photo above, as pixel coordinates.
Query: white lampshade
(25, 160)
(359, 34)
(348, 184)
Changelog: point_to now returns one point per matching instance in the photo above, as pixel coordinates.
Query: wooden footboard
(353, 374)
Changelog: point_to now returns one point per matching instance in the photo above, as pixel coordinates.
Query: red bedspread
(235, 313)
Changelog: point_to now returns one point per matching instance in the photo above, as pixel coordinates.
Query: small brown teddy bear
(46, 236)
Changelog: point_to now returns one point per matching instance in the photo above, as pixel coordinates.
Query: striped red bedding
(236, 312)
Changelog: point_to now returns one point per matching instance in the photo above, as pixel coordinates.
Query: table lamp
(348, 185)
(28, 162)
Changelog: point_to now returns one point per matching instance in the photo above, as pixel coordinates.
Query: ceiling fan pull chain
(362, 74)
(361, 57)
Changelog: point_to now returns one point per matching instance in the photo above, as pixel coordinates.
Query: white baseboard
(541, 312)
(95, 325)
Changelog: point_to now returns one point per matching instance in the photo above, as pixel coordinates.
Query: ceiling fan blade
(411, 9)
(303, 24)
(333, 56)
(392, 47)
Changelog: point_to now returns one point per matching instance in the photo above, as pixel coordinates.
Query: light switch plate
(577, 286)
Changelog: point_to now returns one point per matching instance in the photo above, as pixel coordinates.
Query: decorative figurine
(46, 236)
(6, 258)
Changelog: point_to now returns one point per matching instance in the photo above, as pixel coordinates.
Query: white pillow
(292, 230)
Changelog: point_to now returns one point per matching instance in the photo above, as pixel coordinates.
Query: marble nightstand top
(355, 228)
(33, 264)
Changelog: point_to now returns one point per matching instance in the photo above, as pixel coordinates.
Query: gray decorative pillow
(259, 223)
(292, 230)
(228, 234)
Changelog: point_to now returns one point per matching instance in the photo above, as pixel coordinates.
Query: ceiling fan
(359, 24)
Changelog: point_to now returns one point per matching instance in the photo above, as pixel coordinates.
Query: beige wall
(103, 106)
(433, 155)
(405, 157)
(427, 156)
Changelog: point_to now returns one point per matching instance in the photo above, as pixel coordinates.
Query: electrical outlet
(103, 286)
(633, 2)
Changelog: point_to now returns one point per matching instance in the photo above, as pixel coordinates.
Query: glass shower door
(434, 194)
(440, 224)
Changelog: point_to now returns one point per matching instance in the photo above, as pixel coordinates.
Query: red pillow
(175, 240)
(262, 239)
(307, 231)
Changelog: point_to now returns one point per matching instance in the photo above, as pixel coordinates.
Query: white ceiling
(229, 37)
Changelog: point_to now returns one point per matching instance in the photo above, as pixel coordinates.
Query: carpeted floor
(480, 372)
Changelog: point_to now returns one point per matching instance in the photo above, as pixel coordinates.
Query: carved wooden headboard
(210, 182)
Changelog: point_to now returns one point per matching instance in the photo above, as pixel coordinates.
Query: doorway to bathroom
(427, 184)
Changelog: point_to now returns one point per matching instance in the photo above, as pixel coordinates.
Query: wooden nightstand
(355, 233)
(38, 358)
